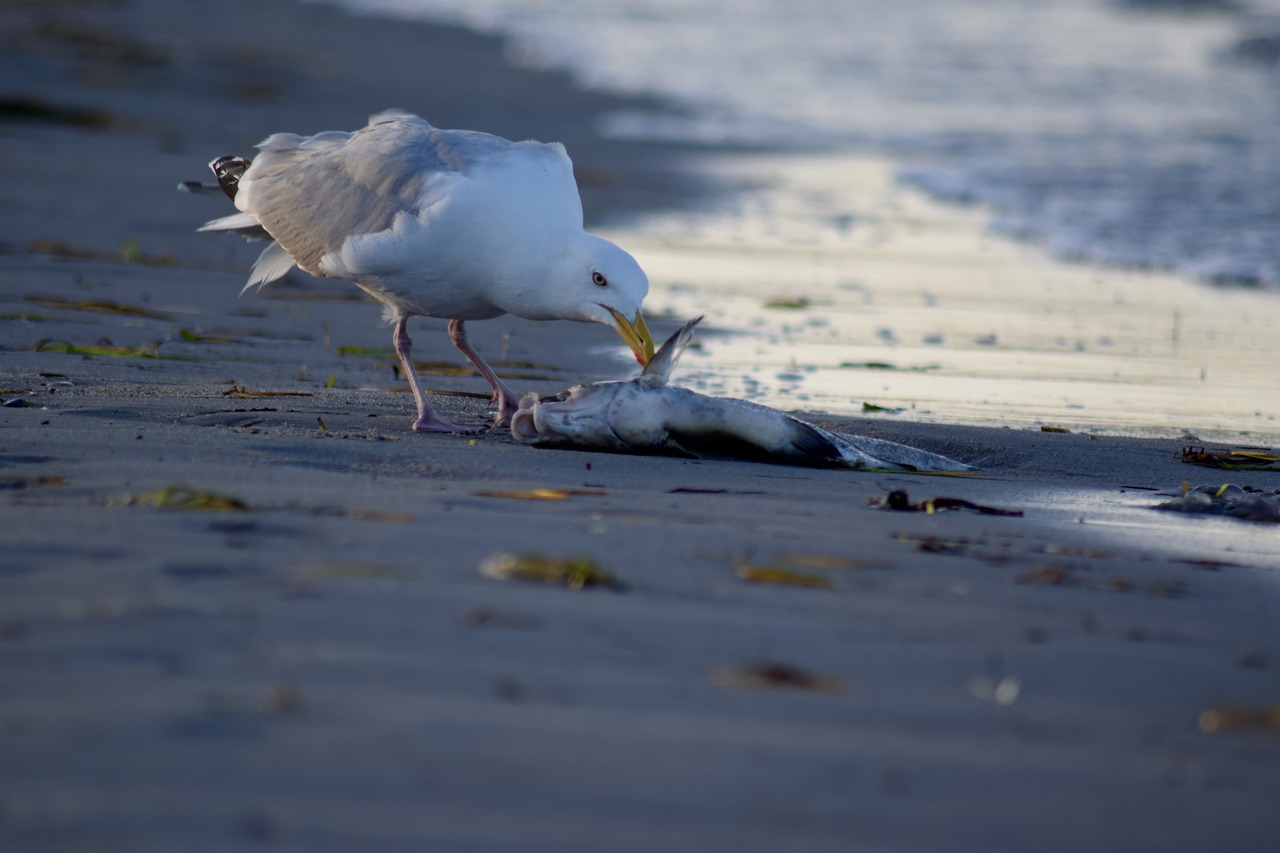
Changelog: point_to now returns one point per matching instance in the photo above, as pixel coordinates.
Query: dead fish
(646, 415)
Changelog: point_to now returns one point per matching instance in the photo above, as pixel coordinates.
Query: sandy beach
(241, 602)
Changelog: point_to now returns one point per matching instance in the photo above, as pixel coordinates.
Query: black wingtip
(228, 169)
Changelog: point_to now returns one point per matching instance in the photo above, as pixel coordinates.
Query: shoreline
(315, 660)
(834, 288)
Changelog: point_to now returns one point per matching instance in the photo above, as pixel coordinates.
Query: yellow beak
(635, 333)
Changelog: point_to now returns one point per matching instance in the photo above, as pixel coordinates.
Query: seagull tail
(273, 263)
(244, 224)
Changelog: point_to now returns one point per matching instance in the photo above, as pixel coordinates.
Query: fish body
(646, 415)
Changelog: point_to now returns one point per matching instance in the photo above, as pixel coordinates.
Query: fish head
(579, 416)
(607, 415)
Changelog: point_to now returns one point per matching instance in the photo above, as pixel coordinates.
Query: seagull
(456, 224)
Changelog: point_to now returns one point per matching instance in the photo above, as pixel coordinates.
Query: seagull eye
(599, 280)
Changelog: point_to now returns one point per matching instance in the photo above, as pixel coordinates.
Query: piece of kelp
(890, 410)
(796, 569)
(1240, 718)
(776, 676)
(239, 392)
(187, 498)
(803, 560)
(886, 365)
(782, 576)
(437, 368)
(107, 350)
(191, 336)
(539, 494)
(928, 543)
(1048, 576)
(791, 303)
(898, 501)
(572, 572)
(1246, 459)
(24, 483)
(446, 368)
(129, 254)
(97, 306)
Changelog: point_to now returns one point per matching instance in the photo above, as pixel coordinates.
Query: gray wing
(313, 193)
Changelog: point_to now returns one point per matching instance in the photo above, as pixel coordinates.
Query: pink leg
(428, 421)
(506, 399)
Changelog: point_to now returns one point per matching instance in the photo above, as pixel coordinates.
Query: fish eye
(598, 279)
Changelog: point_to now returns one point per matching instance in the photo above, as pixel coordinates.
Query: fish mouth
(578, 416)
(524, 424)
(635, 334)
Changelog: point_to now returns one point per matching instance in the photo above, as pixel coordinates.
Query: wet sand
(847, 291)
(317, 663)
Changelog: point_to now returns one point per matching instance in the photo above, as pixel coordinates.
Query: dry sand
(325, 668)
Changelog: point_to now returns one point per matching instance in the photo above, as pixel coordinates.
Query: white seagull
(454, 224)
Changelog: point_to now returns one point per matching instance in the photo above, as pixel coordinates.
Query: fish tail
(861, 451)
(807, 445)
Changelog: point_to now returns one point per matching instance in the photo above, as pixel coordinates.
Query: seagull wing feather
(313, 194)
(272, 264)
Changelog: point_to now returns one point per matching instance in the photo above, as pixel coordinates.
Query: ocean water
(1134, 132)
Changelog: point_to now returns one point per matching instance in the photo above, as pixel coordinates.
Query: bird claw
(500, 419)
(431, 422)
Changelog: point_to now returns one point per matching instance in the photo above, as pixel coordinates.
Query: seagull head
(600, 283)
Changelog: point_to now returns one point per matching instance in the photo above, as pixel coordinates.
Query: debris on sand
(573, 572)
(1243, 502)
(898, 501)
